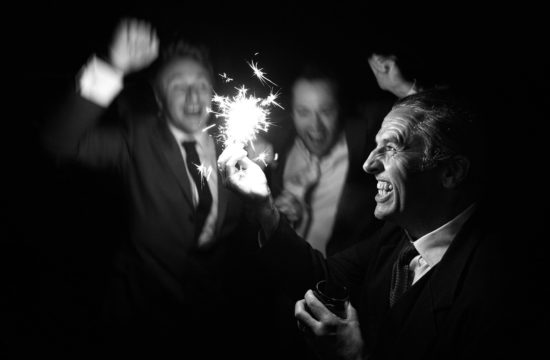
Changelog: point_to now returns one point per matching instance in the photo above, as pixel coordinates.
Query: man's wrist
(99, 81)
(268, 216)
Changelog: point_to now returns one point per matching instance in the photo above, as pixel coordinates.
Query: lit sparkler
(245, 115)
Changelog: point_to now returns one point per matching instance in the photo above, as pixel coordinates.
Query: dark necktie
(401, 277)
(311, 181)
(205, 197)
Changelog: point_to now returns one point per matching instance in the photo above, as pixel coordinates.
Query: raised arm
(74, 132)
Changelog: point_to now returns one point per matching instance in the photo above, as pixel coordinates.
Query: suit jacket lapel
(172, 153)
(413, 314)
(423, 308)
(446, 278)
(375, 301)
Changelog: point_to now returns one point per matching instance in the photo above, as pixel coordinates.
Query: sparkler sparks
(226, 78)
(260, 74)
(245, 115)
(204, 171)
(261, 157)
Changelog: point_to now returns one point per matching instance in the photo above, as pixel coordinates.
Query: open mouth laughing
(385, 190)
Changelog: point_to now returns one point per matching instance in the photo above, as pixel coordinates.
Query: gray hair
(448, 126)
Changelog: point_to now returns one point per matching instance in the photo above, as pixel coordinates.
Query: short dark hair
(449, 125)
(182, 49)
(315, 72)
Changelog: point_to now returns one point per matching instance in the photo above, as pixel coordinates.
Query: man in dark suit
(434, 281)
(171, 279)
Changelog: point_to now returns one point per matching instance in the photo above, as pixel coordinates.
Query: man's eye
(390, 149)
(179, 88)
(205, 87)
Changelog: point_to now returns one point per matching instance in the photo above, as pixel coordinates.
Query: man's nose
(372, 165)
(318, 122)
(192, 94)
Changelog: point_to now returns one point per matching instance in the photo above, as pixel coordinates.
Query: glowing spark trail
(259, 73)
(261, 157)
(204, 171)
(226, 78)
(208, 127)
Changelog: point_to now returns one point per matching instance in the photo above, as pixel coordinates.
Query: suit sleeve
(298, 266)
(76, 131)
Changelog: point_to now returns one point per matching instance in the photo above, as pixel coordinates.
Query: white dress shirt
(433, 245)
(330, 172)
(207, 154)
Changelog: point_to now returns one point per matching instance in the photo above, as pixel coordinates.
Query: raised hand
(246, 178)
(135, 46)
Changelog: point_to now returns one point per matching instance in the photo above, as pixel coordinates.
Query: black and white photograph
(275, 180)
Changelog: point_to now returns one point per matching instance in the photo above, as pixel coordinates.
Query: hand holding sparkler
(245, 116)
(245, 177)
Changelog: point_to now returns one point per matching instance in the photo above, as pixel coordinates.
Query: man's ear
(158, 100)
(455, 171)
(381, 64)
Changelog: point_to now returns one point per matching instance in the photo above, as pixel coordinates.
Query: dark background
(62, 225)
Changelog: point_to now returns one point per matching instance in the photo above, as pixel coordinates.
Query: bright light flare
(244, 115)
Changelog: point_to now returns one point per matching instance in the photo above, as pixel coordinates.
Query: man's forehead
(183, 67)
(394, 124)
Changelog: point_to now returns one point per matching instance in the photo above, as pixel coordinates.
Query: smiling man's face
(315, 114)
(185, 93)
(404, 189)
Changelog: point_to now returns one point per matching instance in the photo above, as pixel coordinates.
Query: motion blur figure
(175, 276)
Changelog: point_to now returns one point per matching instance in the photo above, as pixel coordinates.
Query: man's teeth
(384, 187)
(192, 109)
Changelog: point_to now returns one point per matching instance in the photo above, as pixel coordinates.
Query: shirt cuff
(99, 82)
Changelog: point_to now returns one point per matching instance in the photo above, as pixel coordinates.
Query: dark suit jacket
(459, 309)
(354, 216)
(162, 280)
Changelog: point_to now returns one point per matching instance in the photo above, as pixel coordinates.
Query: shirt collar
(201, 137)
(433, 245)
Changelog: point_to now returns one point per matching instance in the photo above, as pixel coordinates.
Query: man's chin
(191, 124)
(382, 214)
(317, 149)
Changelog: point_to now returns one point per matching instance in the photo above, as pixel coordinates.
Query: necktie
(401, 278)
(205, 197)
(310, 180)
